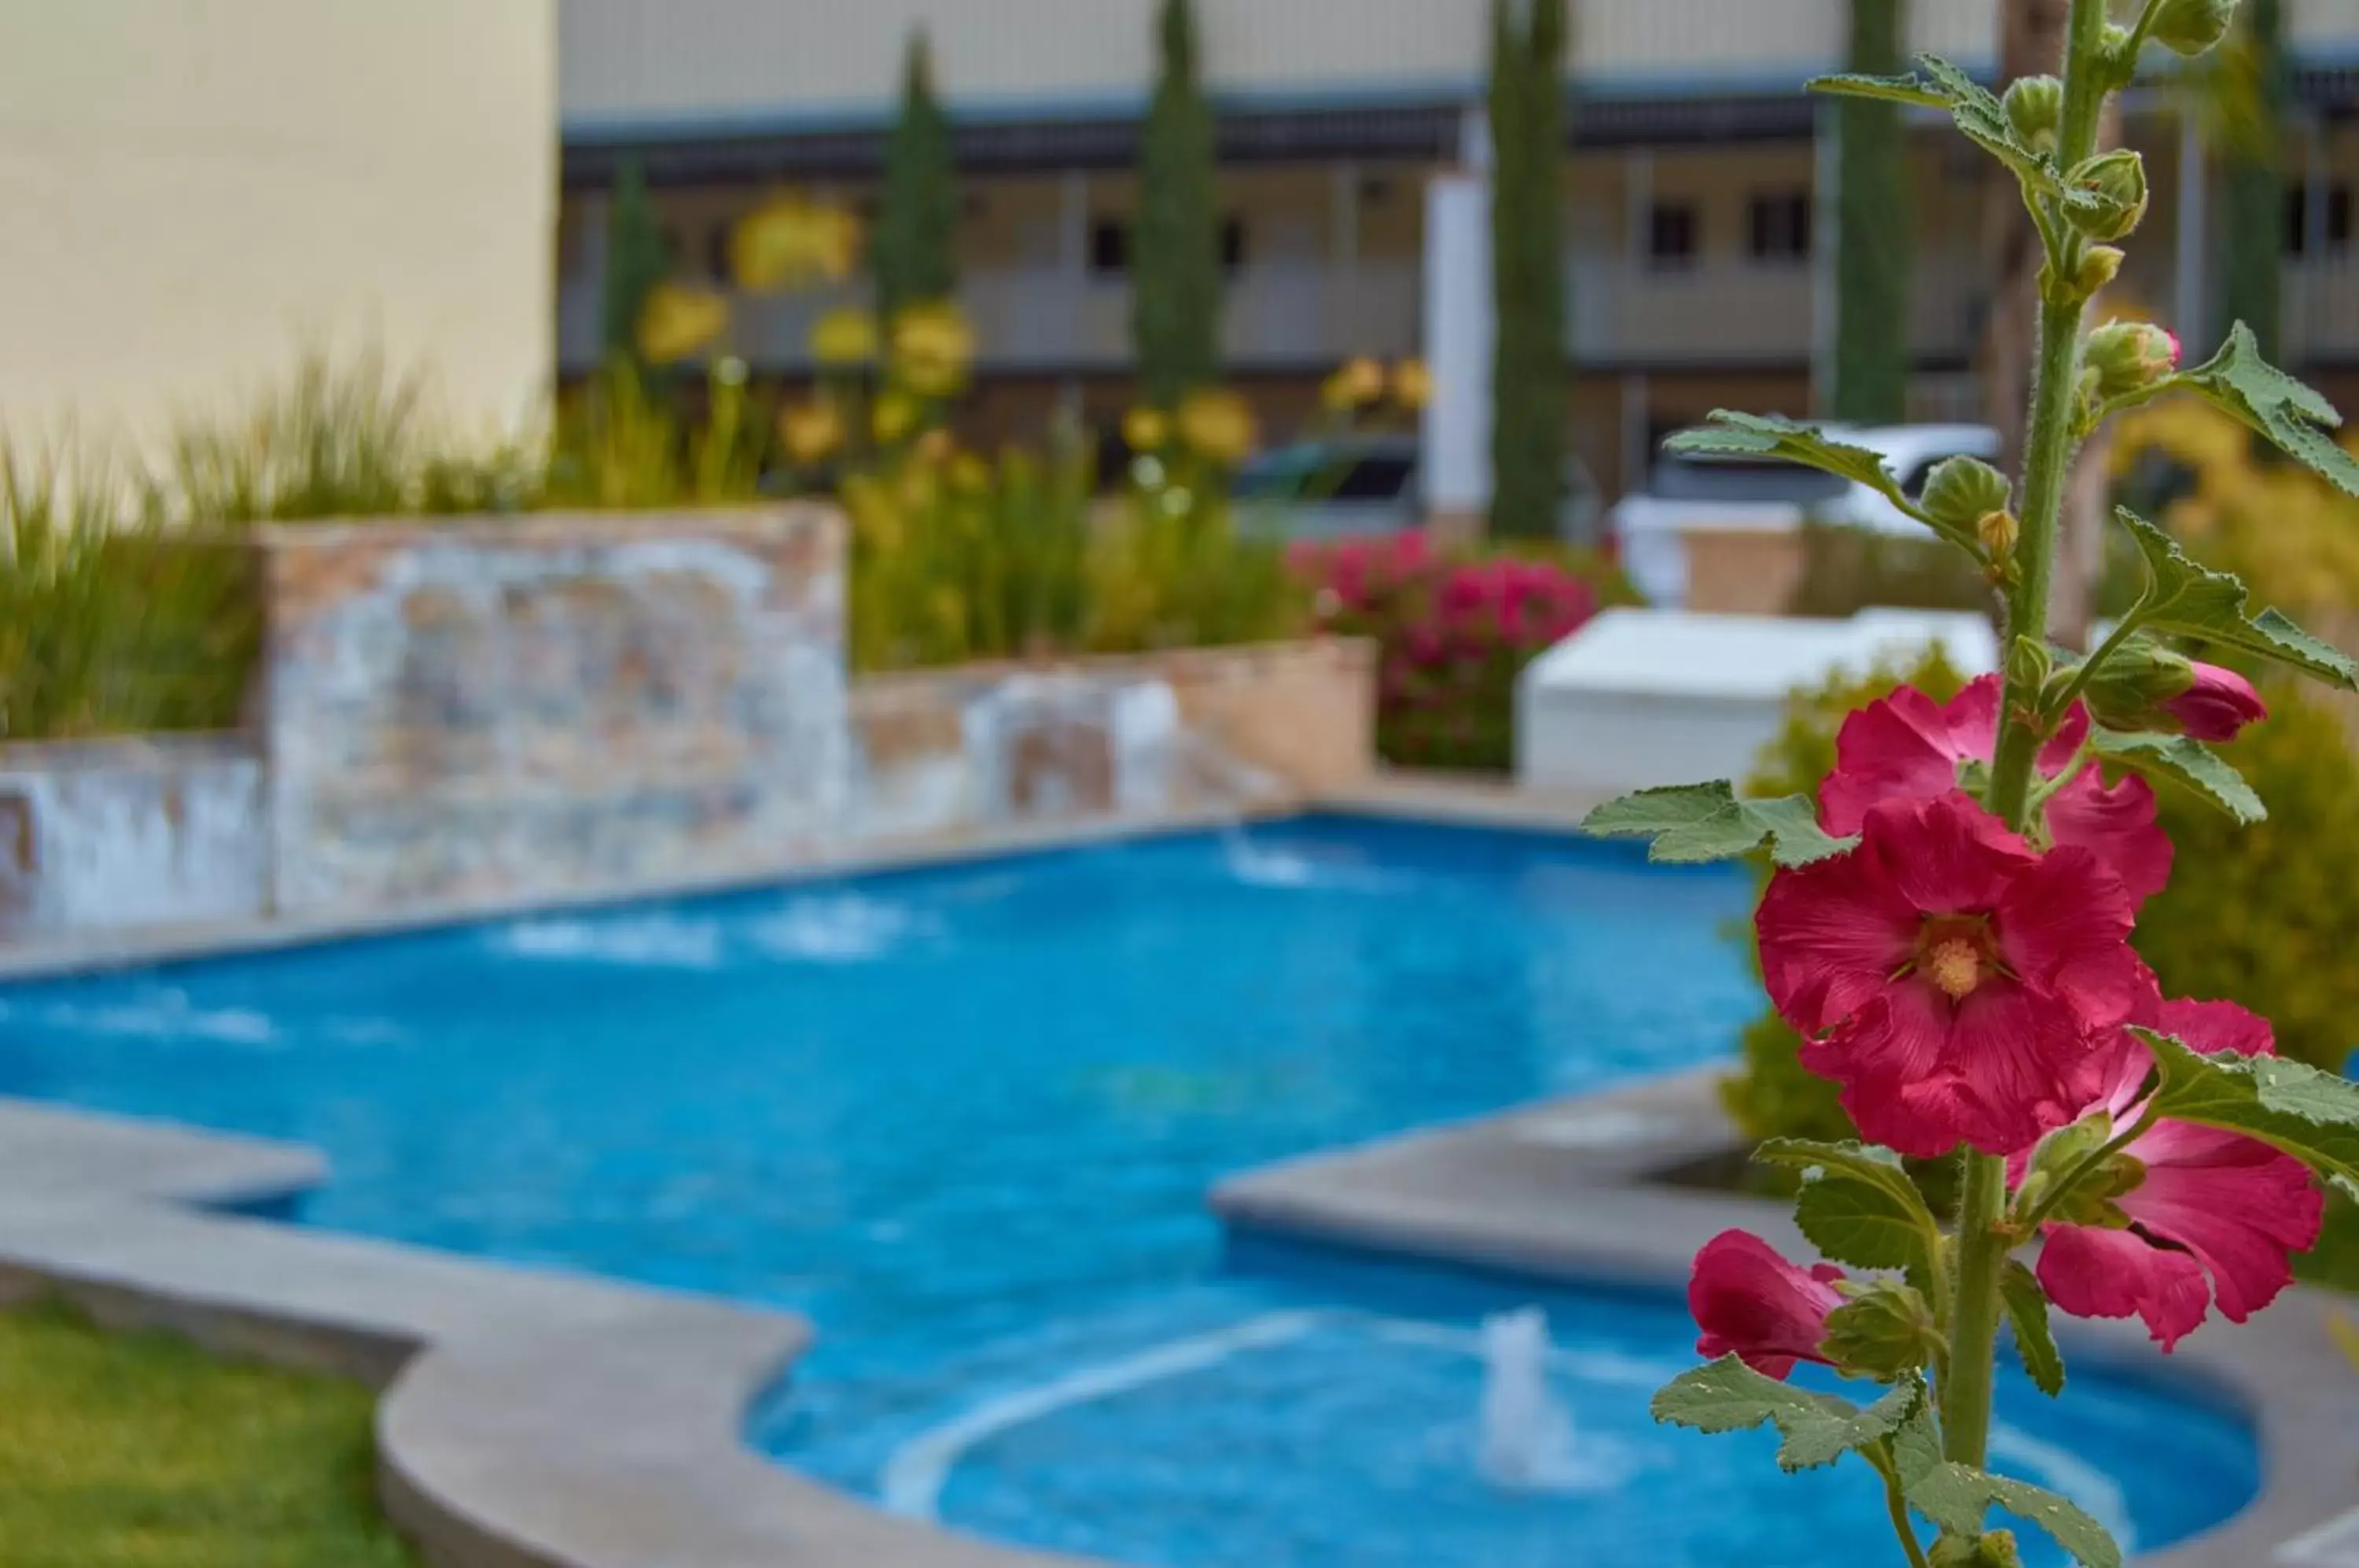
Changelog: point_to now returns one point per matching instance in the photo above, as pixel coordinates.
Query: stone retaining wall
(939, 753)
(96, 835)
(550, 705)
(507, 711)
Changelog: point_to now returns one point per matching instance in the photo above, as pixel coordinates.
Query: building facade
(1696, 256)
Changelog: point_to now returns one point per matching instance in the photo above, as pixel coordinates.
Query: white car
(1685, 493)
(1366, 487)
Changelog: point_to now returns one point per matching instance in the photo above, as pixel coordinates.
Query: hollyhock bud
(1749, 1302)
(2190, 27)
(2217, 706)
(2145, 686)
(2130, 356)
(1992, 1549)
(2118, 181)
(2035, 109)
(1998, 531)
(2100, 264)
(1962, 491)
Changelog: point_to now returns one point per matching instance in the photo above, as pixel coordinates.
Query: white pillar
(2191, 303)
(1460, 328)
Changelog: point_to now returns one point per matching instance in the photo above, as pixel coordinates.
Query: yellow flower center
(1955, 965)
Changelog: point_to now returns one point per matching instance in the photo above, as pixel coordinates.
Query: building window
(2334, 224)
(1233, 244)
(1672, 239)
(1109, 247)
(1780, 227)
(720, 264)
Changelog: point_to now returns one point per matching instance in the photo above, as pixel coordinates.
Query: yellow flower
(1218, 424)
(845, 337)
(1412, 384)
(933, 348)
(789, 242)
(678, 322)
(893, 417)
(934, 447)
(970, 475)
(1359, 383)
(1145, 430)
(811, 431)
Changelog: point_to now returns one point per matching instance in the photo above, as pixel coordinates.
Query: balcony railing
(1722, 313)
(1277, 316)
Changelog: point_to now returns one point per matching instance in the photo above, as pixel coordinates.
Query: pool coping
(1574, 1190)
(544, 1419)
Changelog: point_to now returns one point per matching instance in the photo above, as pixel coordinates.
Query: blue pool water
(964, 1118)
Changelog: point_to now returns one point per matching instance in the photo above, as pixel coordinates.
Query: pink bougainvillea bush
(1949, 926)
(1455, 630)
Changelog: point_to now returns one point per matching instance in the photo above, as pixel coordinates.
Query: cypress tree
(1176, 253)
(1871, 231)
(1529, 362)
(2253, 271)
(911, 257)
(636, 260)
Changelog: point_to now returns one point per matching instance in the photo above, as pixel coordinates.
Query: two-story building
(1696, 258)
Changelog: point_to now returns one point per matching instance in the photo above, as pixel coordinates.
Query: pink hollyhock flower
(1749, 1302)
(2218, 705)
(2217, 1218)
(1908, 748)
(1956, 983)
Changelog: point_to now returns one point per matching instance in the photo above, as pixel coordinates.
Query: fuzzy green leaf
(1730, 434)
(1959, 1498)
(1693, 822)
(1888, 88)
(1862, 1225)
(1729, 1395)
(1859, 1207)
(2188, 763)
(2026, 1309)
(2187, 597)
(2290, 1106)
(2293, 416)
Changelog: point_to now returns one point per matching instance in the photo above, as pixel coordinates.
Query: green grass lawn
(141, 1450)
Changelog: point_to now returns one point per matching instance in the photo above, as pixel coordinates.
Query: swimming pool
(964, 1118)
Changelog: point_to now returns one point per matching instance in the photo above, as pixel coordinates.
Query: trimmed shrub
(1455, 630)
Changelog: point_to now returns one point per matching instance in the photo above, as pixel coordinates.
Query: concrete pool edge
(1571, 1192)
(527, 1419)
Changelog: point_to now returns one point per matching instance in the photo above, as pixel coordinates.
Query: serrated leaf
(1690, 823)
(1855, 1224)
(2187, 597)
(2290, 1106)
(2295, 416)
(1729, 1395)
(1959, 1498)
(1889, 88)
(1730, 434)
(2027, 1310)
(1859, 1207)
(2188, 763)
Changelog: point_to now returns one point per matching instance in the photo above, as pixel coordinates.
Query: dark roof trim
(1408, 131)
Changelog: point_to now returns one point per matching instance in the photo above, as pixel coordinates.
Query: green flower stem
(1896, 1502)
(1982, 1246)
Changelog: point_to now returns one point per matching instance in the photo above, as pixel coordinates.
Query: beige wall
(195, 189)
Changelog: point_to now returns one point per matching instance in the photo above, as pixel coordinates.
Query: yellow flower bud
(811, 433)
(678, 322)
(1412, 384)
(845, 337)
(1145, 430)
(1218, 425)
